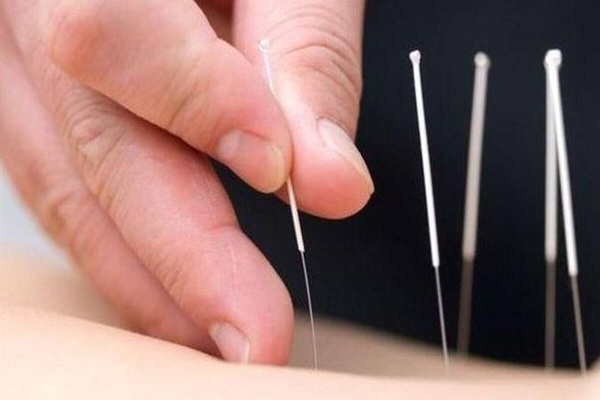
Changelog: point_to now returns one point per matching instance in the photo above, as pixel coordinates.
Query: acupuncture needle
(553, 63)
(263, 46)
(551, 229)
(415, 58)
(469, 244)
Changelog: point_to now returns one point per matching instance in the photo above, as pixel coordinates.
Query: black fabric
(374, 268)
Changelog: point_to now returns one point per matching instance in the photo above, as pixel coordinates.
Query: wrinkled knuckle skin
(181, 270)
(187, 109)
(324, 56)
(95, 137)
(170, 269)
(64, 208)
(72, 33)
(184, 109)
(319, 46)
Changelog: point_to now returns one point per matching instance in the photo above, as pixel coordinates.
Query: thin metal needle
(263, 46)
(310, 311)
(553, 63)
(551, 229)
(440, 302)
(469, 245)
(415, 58)
(578, 325)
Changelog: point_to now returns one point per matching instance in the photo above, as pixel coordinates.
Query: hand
(109, 110)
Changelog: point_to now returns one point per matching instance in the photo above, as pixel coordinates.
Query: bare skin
(46, 353)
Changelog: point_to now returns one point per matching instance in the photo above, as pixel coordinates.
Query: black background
(374, 268)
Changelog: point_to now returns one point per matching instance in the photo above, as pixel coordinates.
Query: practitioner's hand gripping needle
(264, 49)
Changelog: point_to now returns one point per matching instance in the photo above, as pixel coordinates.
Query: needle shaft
(550, 338)
(440, 302)
(469, 245)
(415, 58)
(264, 49)
(551, 229)
(310, 312)
(553, 62)
(578, 325)
(464, 312)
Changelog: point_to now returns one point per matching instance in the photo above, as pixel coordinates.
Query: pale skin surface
(48, 353)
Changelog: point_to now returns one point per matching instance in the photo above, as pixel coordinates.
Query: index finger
(161, 60)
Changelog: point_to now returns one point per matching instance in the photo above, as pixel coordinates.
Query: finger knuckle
(170, 268)
(72, 35)
(317, 44)
(184, 109)
(182, 270)
(95, 135)
(64, 209)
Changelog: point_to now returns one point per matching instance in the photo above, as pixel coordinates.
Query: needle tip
(553, 58)
(415, 56)
(482, 60)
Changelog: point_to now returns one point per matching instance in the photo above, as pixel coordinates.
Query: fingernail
(232, 343)
(338, 140)
(254, 159)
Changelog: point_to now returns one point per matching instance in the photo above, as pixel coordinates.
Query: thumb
(315, 48)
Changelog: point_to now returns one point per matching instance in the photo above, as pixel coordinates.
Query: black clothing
(375, 268)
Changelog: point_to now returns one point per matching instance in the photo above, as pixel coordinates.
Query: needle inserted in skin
(469, 245)
(264, 49)
(551, 229)
(552, 63)
(415, 58)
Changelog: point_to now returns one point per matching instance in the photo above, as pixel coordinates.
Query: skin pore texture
(60, 339)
